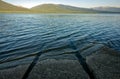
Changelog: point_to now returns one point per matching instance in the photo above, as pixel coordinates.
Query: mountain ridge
(56, 8)
(60, 8)
(53, 8)
(7, 7)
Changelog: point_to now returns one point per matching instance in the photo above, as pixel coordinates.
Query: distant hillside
(6, 7)
(55, 8)
(108, 9)
(58, 8)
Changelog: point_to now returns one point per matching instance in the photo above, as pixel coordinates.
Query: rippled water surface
(25, 34)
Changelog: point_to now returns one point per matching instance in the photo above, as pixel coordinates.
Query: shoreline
(28, 12)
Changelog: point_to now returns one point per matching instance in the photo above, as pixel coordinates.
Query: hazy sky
(79, 3)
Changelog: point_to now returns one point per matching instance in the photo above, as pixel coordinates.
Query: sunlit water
(25, 34)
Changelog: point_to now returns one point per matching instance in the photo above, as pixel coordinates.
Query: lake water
(25, 34)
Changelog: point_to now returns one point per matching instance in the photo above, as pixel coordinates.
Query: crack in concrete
(82, 61)
(34, 62)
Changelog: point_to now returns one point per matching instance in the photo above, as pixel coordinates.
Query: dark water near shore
(25, 34)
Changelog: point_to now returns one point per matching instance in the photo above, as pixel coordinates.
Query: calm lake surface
(25, 34)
